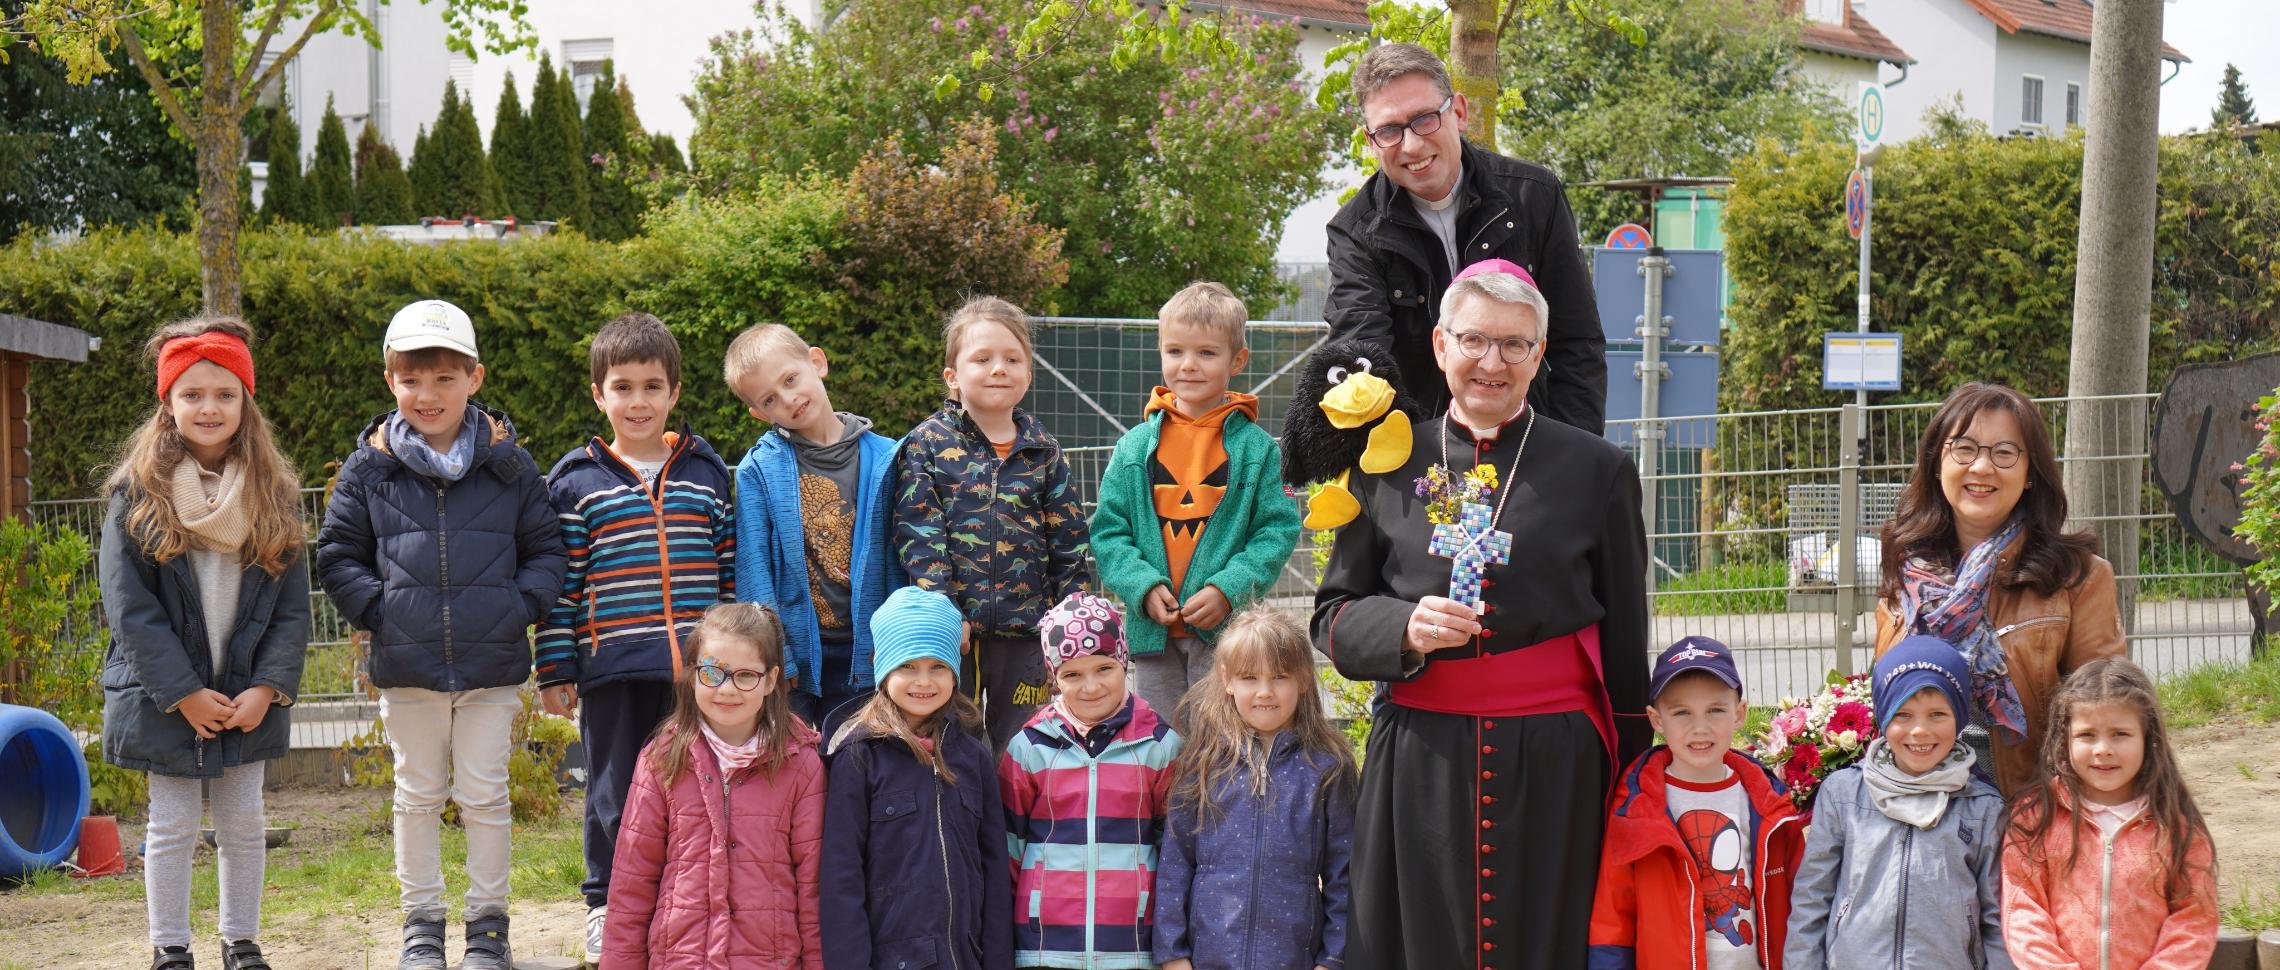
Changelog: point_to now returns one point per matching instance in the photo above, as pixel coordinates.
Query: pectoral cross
(1473, 542)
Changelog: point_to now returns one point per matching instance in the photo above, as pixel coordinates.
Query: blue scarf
(1952, 605)
(412, 448)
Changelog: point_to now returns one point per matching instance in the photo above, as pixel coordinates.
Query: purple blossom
(1050, 132)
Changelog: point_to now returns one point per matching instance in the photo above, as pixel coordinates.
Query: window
(585, 59)
(463, 74)
(2030, 101)
(2073, 103)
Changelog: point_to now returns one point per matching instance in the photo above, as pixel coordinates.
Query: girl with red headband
(207, 590)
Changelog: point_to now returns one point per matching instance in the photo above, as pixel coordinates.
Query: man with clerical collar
(1496, 584)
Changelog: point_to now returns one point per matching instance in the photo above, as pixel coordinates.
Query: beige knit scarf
(216, 514)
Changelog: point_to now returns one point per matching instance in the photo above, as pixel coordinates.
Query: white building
(2018, 66)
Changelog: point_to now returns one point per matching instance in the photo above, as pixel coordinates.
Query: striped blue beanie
(914, 623)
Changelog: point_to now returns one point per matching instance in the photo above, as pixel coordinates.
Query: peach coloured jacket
(2110, 911)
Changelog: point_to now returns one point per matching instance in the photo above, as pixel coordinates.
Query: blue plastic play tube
(43, 791)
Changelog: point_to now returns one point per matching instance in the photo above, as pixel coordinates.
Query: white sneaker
(595, 918)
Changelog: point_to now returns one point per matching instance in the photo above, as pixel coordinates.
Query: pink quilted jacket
(2110, 910)
(719, 872)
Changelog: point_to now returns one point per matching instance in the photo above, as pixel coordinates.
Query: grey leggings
(173, 837)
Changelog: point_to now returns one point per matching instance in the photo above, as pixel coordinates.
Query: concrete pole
(2113, 282)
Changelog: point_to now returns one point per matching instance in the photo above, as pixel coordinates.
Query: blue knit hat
(914, 623)
(1914, 664)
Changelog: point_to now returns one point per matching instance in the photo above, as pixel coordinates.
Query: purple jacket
(1263, 885)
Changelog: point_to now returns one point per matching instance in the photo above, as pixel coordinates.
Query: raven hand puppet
(1350, 412)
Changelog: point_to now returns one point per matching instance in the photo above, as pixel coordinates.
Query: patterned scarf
(1952, 605)
(732, 757)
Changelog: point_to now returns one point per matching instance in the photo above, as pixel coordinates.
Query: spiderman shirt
(1713, 823)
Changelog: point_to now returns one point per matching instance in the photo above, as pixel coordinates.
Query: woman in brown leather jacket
(1977, 554)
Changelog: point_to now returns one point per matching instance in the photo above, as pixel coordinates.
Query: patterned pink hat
(1082, 625)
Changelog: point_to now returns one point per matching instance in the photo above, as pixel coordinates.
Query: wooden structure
(23, 340)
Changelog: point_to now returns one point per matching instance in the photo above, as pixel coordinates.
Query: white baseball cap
(430, 323)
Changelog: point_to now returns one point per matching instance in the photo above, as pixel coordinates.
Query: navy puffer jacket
(447, 576)
(914, 868)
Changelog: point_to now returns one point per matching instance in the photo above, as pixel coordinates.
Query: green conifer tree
(510, 152)
(332, 183)
(426, 193)
(2234, 106)
(616, 210)
(285, 199)
(558, 158)
(383, 193)
(464, 183)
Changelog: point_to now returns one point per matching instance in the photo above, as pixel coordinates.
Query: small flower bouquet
(1812, 737)
(1446, 495)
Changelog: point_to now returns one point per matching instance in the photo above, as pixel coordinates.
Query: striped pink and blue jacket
(1081, 832)
(644, 564)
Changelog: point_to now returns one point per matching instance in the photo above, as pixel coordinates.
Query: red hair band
(222, 348)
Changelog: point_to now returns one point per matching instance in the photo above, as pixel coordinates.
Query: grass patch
(2214, 690)
(2257, 912)
(1734, 587)
(348, 871)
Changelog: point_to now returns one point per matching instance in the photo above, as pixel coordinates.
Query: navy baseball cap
(1693, 653)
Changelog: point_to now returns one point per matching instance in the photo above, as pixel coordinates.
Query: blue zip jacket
(1263, 885)
(771, 551)
(914, 867)
(631, 550)
(448, 576)
(158, 656)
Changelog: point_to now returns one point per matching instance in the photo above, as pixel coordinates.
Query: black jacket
(158, 657)
(914, 868)
(448, 576)
(1388, 272)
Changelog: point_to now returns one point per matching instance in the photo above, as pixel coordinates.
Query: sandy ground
(2234, 771)
(104, 929)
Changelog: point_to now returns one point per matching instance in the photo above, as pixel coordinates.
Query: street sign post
(1860, 361)
(1868, 115)
(1856, 203)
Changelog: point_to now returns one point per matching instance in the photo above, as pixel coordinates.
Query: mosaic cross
(1473, 542)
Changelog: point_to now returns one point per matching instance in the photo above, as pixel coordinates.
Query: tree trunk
(2113, 281)
(220, 152)
(1472, 65)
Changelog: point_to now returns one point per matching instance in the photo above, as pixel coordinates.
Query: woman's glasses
(1964, 451)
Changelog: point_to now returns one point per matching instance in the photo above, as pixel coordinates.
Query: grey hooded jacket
(1878, 894)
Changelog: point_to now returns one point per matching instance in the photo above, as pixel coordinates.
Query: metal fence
(1748, 516)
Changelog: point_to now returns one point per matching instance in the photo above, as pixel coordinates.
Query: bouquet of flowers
(1812, 737)
(1446, 494)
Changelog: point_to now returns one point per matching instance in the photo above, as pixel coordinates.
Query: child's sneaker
(596, 918)
(423, 942)
(243, 955)
(172, 958)
(487, 947)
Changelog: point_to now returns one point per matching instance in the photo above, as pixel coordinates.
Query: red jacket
(2111, 909)
(719, 872)
(1648, 879)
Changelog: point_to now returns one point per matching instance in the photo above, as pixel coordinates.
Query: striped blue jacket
(643, 566)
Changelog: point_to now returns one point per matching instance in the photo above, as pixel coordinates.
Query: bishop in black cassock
(1482, 802)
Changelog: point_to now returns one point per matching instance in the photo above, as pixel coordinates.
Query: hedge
(1974, 258)
(804, 253)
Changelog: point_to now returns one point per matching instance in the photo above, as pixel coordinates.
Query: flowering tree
(2260, 498)
(1161, 170)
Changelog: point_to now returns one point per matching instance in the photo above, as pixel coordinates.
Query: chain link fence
(1748, 518)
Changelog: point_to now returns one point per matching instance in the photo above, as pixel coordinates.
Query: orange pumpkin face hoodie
(1188, 476)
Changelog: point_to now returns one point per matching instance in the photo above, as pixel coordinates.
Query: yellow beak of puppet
(1356, 401)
